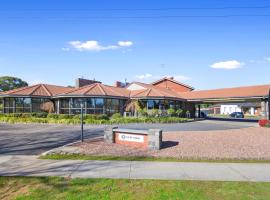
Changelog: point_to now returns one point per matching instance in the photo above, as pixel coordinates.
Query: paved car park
(33, 139)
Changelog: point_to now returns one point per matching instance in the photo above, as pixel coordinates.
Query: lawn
(63, 188)
(138, 158)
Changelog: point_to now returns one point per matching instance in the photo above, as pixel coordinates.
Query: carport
(259, 95)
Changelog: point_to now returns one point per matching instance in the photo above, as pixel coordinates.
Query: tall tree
(10, 83)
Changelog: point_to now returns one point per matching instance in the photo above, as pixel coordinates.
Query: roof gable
(165, 79)
(98, 89)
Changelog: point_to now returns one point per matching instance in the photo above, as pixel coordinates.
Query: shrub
(64, 116)
(171, 112)
(153, 112)
(264, 122)
(53, 115)
(41, 115)
(142, 112)
(179, 112)
(102, 117)
(116, 116)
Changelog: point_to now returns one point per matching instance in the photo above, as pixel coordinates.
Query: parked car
(237, 115)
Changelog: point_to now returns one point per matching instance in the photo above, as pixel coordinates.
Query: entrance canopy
(237, 94)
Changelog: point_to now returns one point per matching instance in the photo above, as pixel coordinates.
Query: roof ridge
(20, 89)
(35, 89)
(91, 87)
(149, 90)
(102, 90)
(47, 90)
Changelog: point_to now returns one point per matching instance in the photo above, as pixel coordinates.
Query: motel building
(98, 98)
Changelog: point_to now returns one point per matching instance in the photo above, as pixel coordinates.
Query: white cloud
(230, 64)
(92, 45)
(144, 76)
(125, 43)
(65, 49)
(267, 59)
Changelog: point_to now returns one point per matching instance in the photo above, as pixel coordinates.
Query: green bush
(142, 112)
(102, 117)
(171, 112)
(64, 116)
(116, 116)
(89, 119)
(179, 112)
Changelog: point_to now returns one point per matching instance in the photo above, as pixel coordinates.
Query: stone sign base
(147, 139)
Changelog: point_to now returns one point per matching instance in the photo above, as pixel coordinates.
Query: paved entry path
(32, 166)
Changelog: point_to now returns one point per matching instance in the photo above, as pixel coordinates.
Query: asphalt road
(33, 139)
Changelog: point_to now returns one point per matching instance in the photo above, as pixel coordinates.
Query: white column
(252, 111)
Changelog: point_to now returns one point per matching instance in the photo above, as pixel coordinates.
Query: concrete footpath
(32, 166)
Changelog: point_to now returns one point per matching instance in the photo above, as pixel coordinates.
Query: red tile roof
(172, 80)
(44, 90)
(98, 89)
(152, 91)
(149, 91)
(237, 92)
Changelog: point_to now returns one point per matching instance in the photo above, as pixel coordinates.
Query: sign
(131, 137)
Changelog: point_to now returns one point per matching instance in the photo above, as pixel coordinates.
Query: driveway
(33, 139)
(205, 125)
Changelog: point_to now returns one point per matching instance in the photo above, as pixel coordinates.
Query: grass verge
(62, 188)
(160, 159)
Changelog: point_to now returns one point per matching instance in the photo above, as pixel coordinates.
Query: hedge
(88, 119)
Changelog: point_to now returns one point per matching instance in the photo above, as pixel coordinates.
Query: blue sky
(207, 44)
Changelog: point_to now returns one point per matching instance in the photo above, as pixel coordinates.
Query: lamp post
(82, 122)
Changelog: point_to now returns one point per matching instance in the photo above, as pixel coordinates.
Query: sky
(206, 44)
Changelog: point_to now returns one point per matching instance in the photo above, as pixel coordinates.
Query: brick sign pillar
(147, 139)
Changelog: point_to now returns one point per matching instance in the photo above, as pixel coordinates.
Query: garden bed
(238, 144)
(88, 119)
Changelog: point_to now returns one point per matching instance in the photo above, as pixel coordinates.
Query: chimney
(80, 82)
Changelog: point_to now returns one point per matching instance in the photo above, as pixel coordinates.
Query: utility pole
(82, 122)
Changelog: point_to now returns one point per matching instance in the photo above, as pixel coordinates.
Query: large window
(99, 109)
(64, 106)
(153, 104)
(38, 104)
(112, 106)
(9, 105)
(22, 105)
(76, 104)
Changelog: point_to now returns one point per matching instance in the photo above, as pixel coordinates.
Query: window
(22, 105)
(9, 105)
(112, 106)
(99, 106)
(90, 105)
(153, 104)
(38, 104)
(76, 104)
